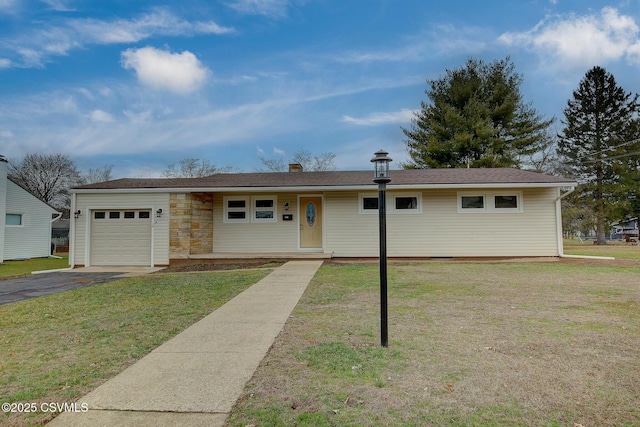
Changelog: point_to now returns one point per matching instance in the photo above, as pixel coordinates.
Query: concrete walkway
(195, 378)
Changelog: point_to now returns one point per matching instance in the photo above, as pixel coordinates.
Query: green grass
(58, 347)
(470, 344)
(614, 249)
(13, 269)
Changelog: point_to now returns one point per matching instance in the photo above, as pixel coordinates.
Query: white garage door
(121, 237)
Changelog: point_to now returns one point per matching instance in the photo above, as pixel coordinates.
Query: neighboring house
(627, 230)
(25, 225)
(430, 213)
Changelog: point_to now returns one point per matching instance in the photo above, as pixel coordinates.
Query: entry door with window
(310, 222)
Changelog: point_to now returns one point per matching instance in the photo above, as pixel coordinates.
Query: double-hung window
(408, 203)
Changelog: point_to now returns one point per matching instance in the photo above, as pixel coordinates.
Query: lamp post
(381, 177)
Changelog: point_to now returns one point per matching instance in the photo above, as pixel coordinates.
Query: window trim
(361, 209)
(417, 210)
(391, 203)
(227, 209)
(18, 214)
(489, 202)
(255, 209)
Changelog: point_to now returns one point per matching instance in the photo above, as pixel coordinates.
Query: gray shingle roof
(418, 177)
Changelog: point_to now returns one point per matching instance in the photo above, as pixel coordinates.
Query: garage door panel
(120, 237)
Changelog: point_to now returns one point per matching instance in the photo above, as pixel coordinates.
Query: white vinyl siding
(121, 202)
(32, 238)
(441, 231)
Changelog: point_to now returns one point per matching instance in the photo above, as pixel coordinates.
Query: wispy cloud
(34, 49)
(376, 119)
(439, 40)
(581, 41)
(58, 5)
(160, 69)
(271, 8)
(101, 116)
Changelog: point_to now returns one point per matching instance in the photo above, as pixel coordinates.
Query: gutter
(561, 253)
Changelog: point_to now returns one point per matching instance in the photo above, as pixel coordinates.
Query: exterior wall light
(77, 213)
(159, 213)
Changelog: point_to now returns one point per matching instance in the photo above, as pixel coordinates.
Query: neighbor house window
(13, 219)
(236, 209)
(490, 202)
(264, 209)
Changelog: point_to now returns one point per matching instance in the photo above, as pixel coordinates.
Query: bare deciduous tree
(193, 168)
(47, 176)
(309, 162)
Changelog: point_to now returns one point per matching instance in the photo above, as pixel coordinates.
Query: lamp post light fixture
(381, 177)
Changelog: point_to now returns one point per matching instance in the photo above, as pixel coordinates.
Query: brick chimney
(295, 167)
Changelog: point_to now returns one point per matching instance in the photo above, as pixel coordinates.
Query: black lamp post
(381, 177)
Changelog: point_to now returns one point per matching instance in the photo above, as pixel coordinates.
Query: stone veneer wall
(191, 225)
(201, 223)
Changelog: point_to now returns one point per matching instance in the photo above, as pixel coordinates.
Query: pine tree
(475, 118)
(600, 143)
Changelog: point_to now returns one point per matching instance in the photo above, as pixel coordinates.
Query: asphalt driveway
(36, 285)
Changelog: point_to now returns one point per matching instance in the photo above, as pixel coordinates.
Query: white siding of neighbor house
(87, 203)
(251, 237)
(32, 239)
(441, 231)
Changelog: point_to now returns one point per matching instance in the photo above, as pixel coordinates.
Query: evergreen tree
(600, 143)
(475, 118)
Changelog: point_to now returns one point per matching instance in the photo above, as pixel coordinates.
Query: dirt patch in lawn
(221, 266)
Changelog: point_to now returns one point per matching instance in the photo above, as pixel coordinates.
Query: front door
(310, 222)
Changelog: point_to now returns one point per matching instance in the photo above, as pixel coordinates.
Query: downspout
(561, 253)
(51, 255)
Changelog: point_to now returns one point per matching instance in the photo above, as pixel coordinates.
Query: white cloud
(58, 5)
(273, 8)
(375, 119)
(8, 6)
(278, 151)
(6, 134)
(101, 116)
(5, 63)
(35, 48)
(579, 41)
(160, 69)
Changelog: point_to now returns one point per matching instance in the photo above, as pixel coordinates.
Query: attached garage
(120, 237)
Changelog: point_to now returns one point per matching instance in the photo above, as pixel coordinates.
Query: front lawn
(56, 348)
(14, 269)
(470, 344)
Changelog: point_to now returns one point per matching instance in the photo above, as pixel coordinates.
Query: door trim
(324, 215)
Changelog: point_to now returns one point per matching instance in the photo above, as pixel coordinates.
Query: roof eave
(312, 188)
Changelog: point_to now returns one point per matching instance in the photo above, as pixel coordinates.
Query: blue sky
(141, 84)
